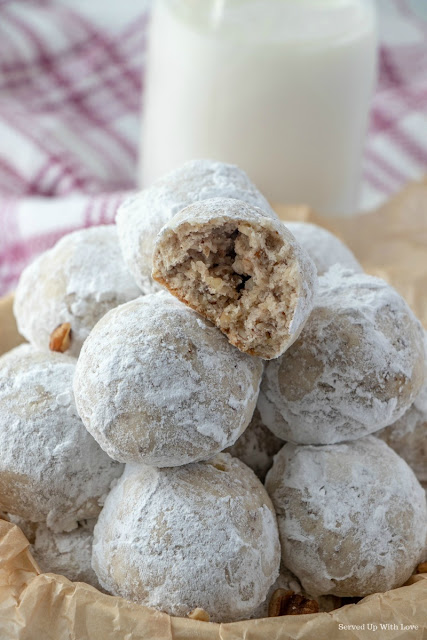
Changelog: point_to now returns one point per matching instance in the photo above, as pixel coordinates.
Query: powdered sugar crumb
(67, 554)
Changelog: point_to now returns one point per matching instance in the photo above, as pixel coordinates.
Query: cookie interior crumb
(239, 275)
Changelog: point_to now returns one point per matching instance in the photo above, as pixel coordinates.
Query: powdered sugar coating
(140, 217)
(202, 535)
(67, 554)
(77, 281)
(301, 271)
(323, 247)
(256, 447)
(51, 469)
(156, 383)
(352, 517)
(356, 368)
(408, 435)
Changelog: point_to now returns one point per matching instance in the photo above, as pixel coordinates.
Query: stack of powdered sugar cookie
(182, 357)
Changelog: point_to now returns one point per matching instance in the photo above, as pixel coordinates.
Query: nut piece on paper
(288, 603)
(60, 338)
(199, 614)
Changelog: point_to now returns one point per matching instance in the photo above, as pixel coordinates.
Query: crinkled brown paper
(390, 242)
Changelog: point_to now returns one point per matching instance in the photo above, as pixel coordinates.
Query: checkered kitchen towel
(71, 76)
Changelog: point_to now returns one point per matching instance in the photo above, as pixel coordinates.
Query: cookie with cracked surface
(51, 469)
(73, 284)
(356, 368)
(352, 517)
(158, 384)
(199, 536)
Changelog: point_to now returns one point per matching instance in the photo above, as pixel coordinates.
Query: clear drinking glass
(280, 87)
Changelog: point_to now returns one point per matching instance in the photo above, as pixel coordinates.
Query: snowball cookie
(77, 281)
(203, 535)
(408, 435)
(256, 447)
(156, 383)
(140, 217)
(357, 367)
(323, 247)
(352, 517)
(67, 554)
(240, 269)
(51, 469)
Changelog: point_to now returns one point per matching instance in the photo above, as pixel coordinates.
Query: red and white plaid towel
(71, 76)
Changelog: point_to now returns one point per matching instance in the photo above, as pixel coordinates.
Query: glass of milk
(280, 87)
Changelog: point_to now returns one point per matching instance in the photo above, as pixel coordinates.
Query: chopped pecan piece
(60, 338)
(288, 603)
(199, 614)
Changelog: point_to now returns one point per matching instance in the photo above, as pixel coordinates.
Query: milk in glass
(280, 87)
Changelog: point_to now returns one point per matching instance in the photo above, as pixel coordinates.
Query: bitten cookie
(203, 535)
(157, 384)
(140, 217)
(241, 269)
(323, 247)
(357, 366)
(77, 281)
(51, 469)
(256, 447)
(352, 517)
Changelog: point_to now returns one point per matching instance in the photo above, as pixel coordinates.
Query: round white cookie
(157, 384)
(51, 469)
(352, 517)
(202, 535)
(140, 217)
(241, 269)
(77, 281)
(356, 368)
(323, 247)
(67, 554)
